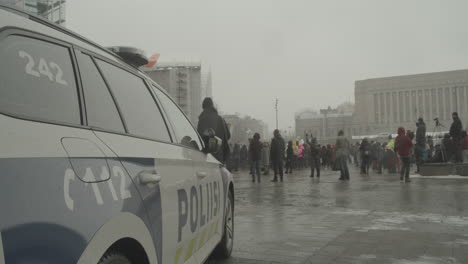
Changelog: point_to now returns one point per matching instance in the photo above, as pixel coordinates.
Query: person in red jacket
(464, 144)
(403, 145)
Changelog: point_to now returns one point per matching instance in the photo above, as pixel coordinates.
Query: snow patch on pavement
(448, 177)
(457, 242)
(399, 221)
(382, 226)
(367, 256)
(352, 212)
(427, 260)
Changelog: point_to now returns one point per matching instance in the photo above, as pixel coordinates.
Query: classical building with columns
(383, 104)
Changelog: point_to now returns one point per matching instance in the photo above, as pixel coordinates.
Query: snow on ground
(400, 220)
(427, 260)
(447, 177)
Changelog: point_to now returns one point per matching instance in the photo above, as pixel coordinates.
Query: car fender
(124, 225)
(227, 179)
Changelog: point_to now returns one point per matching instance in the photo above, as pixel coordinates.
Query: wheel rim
(229, 226)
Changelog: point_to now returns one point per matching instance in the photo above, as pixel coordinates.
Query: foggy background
(306, 53)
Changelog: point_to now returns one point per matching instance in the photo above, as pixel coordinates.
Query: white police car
(97, 163)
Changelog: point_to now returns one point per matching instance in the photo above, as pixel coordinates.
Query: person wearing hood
(420, 147)
(209, 119)
(255, 149)
(403, 145)
(455, 133)
(277, 155)
(314, 158)
(342, 153)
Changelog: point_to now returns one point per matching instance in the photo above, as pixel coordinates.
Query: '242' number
(43, 68)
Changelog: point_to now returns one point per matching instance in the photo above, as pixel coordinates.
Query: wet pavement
(370, 219)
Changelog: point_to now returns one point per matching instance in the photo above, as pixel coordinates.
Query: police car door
(50, 164)
(206, 217)
(159, 168)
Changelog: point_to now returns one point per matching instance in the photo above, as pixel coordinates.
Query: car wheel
(114, 258)
(224, 248)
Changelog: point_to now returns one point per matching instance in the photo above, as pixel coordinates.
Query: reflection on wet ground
(371, 219)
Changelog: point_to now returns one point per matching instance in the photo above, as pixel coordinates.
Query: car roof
(16, 18)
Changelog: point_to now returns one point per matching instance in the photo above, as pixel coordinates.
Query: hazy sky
(306, 53)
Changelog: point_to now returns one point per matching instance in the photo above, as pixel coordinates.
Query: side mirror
(214, 144)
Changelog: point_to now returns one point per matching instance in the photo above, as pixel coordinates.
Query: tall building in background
(243, 128)
(324, 125)
(52, 10)
(183, 82)
(206, 85)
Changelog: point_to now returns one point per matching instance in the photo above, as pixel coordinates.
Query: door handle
(149, 177)
(201, 174)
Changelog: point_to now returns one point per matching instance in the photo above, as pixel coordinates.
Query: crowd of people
(283, 157)
(394, 155)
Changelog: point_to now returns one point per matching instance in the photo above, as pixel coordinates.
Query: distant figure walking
(289, 157)
(420, 148)
(342, 154)
(236, 157)
(255, 149)
(314, 158)
(266, 158)
(464, 145)
(277, 155)
(455, 133)
(209, 119)
(403, 147)
(365, 156)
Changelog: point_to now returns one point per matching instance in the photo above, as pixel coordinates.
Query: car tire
(224, 248)
(114, 258)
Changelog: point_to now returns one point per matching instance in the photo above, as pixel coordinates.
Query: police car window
(37, 80)
(100, 107)
(183, 129)
(138, 107)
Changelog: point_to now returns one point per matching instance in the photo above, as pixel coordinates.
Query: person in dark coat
(306, 153)
(403, 145)
(314, 158)
(420, 147)
(243, 156)
(379, 153)
(209, 119)
(364, 149)
(289, 158)
(323, 156)
(277, 155)
(255, 149)
(447, 148)
(236, 157)
(455, 133)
